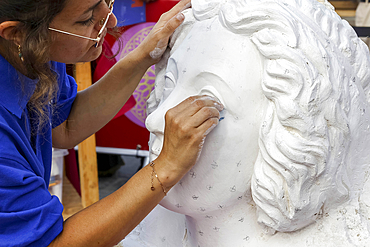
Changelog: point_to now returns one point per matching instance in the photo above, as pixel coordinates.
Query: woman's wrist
(167, 173)
(154, 174)
(137, 60)
(142, 55)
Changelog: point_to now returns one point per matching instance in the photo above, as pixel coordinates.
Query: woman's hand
(186, 128)
(156, 42)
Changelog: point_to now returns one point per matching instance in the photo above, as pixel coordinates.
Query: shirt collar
(12, 97)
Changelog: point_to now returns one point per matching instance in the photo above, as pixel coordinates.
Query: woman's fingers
(164, 34)
(201, 107)
(205, 114)
(173, 18)
(164, 28)
(194, 103)
(195, 114)
(179, 7)
(187, 125)
(171, 25)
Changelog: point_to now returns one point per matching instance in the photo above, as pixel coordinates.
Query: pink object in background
(131, 39)
(103, 64)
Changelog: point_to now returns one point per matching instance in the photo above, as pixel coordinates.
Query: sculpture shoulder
(345, 226)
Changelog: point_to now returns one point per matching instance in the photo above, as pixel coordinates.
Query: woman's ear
(7, 31)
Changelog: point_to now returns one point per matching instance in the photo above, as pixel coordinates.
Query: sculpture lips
(157, 144)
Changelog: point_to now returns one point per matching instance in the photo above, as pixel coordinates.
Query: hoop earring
(20, 53)
(101, 22)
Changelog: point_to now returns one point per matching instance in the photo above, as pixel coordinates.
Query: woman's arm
(97, 105)
(109, 220)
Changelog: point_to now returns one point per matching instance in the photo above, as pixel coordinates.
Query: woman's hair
(314, 64)
(34, 18)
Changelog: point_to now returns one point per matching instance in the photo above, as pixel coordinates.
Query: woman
(40, 108)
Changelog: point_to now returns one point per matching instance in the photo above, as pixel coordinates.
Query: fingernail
(219, 106)
(180, 16)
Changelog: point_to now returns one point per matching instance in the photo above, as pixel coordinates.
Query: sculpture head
(295, 116)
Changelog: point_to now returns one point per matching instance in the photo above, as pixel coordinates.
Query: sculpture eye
(211, 91)
(169, 85)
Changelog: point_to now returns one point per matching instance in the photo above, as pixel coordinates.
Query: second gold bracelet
(151, 164)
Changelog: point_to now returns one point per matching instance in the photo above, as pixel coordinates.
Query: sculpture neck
(232, 226)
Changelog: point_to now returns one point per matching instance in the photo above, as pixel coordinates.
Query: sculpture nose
(155, 121)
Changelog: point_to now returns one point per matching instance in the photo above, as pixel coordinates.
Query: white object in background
(56, 176)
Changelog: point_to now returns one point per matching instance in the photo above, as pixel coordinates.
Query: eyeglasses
(103, 22)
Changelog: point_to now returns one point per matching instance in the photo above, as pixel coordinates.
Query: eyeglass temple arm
(76, 35)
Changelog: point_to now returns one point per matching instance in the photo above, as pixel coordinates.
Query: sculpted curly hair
(311, 74)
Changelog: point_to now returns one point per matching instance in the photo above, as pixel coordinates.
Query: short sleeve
(66, 95)
(29, 215)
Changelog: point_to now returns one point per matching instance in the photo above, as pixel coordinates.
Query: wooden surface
(345, 8)
(71, 199)
(87, 160)
(345, 13)
(344, 4)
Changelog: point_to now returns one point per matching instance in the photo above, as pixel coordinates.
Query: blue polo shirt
(29, 215)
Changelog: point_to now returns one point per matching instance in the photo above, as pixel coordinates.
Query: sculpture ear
(7, 31)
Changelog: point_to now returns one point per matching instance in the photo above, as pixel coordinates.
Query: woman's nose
(112, 22)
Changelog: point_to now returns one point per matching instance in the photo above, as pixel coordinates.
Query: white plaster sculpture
(289, 162)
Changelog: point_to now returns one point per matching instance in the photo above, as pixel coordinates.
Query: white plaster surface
(288, 165)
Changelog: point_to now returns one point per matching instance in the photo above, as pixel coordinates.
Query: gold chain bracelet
(152, 176)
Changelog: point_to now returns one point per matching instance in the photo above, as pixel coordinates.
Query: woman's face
(79, 17)
(214, 61)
